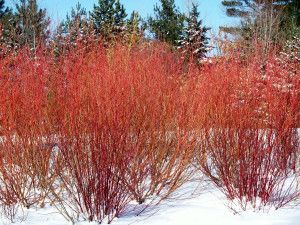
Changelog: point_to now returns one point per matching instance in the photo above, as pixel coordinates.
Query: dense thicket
(99, 116)
(94, 130)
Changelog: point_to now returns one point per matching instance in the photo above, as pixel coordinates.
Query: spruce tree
(167, 24)
(31, 24)
(194, 43)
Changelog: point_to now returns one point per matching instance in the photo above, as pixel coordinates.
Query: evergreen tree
(76, 24)
(291, 20)
(109, 19)
(119, 18)
(76, 28)
(168, 23)
(134, 28)
(5, 26)
(133, 22)
(103, 17)
(5, 17)
(195, 41)
(3, 10)
(31, 24)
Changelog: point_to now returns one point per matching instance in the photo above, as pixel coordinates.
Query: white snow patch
(207, 208)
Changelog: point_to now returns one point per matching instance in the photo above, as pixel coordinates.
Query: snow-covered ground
(207, 208)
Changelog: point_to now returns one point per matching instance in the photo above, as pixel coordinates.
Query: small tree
(195, 41)
(167, 24)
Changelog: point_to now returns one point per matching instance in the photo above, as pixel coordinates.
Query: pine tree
(103, 17)
(31, 24)
(195, 41)
(109, 19)
(119, 18)
(250, 12)
(168, 23)
(260, 20)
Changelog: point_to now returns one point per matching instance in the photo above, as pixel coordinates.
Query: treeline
(109, 22)
(268, 22)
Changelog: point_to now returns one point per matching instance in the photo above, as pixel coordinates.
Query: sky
(211, 11)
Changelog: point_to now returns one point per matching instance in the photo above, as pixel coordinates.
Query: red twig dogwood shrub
(249, 146)
(122, 132)
(91, 138)
(25, 144)
(120, 122)
(161, 146)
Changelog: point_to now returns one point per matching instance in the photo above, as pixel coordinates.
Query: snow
(207, 206)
